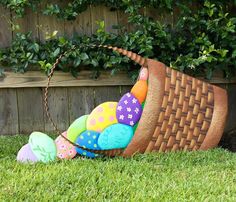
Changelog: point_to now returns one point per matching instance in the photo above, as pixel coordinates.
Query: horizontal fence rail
(60, 79)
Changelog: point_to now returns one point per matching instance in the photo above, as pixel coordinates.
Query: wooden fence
(22, 107)
(21, 99)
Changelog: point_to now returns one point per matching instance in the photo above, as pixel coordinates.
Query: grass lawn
(181, 176)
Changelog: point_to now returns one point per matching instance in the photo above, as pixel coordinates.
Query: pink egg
(65, 150)
(143, 75)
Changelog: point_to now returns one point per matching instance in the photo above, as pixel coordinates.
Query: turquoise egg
(115, 136)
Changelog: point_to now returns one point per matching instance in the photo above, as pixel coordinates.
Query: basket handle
(133, 56)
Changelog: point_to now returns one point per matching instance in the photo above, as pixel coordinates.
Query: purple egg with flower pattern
(128, 110)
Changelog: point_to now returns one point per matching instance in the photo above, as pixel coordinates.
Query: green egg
(43, 147)
(76, 128)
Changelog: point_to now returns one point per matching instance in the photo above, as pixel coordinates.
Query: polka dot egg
(88, 139)
(102, 116)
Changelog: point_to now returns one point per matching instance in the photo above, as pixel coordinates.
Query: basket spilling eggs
(111, 125)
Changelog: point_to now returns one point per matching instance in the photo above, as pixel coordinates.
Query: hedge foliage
(202, 40)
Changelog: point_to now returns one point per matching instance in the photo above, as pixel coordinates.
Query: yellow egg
(102, 116)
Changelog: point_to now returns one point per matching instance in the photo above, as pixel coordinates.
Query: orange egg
(139, 90)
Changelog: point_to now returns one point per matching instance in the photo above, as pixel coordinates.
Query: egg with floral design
(65, 150)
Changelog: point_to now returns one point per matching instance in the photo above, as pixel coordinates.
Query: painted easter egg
(139, 90)
(88, 139)
(65, 150)
(43, 147)
(102, 116)
(76, 128)
(129, 110)
(115, 136)
(143, 75)
(25, 155)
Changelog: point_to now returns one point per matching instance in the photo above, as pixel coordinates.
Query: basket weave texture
(181, 113)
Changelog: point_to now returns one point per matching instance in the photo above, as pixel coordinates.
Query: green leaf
(209, 73)
(94, 62)
(234, 54)
(56, 52)
(36, 47)
(84, 56)
(77, 62)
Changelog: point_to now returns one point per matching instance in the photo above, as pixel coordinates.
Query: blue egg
(115, 136)
(88, 139)
(86, 153)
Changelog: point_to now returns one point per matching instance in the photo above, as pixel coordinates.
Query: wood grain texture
(81, 101)
(102, 13)
(30, 110)
(125, 89)
(111, 18)
(37, 79)
(49, 24)
(81, 26)
(105, 94)
(122, 19)
(5, 27)
(8, 112)
(27, 24)
(60, 79)
(161, 15)
(58, 108)
(97, 14)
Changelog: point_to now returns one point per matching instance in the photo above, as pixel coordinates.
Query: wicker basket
(181, 112)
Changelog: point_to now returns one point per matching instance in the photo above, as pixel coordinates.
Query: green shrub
(201, 41)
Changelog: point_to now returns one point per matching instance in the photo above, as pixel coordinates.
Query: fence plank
(122, 19)
(81, 101)
(125, 89)
(8, 112)
(109, 93)
(97, 14)
(49, 24)
(30, 107)
(152, 12)
(81, 26)
(110, 18)
(161, 15)
(5, 28)
(58, 108)
(28, 24)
